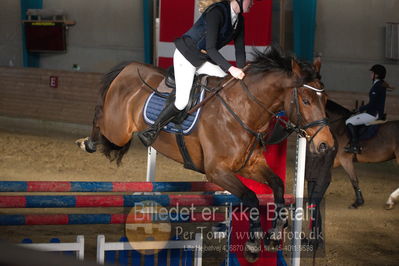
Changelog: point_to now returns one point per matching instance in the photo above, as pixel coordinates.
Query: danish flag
(177, 17)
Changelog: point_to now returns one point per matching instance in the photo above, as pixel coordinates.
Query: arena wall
(350, 35)
(26, 93)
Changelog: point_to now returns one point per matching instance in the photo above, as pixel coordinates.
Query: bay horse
(232, 126)
(384, 146)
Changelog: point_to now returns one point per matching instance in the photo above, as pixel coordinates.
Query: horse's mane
(336, 108)
(272, 59)
(309, 72)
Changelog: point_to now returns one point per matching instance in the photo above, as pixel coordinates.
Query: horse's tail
(110, 150)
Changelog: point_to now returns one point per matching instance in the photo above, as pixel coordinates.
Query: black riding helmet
(379, 70)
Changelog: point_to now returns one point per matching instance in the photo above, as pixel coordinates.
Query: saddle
(183, 123)
(370, 130)
(381, 120)
(168, 85)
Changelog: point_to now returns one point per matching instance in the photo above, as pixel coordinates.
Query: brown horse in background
(383, 147)
(225, 142)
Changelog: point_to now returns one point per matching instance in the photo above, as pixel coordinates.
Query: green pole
(148, 28)
(304, 28)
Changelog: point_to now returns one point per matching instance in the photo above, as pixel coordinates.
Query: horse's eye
(306, 101)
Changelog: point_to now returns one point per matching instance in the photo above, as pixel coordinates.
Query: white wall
(10, 33)
(106, 33)
(350, 36)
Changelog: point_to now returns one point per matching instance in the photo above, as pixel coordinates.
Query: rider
(371, 111)
(197, 52)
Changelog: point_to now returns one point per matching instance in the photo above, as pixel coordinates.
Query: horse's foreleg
(259, 171)
(227, 180)
(349, 168)
(274, 236)
(315, 194)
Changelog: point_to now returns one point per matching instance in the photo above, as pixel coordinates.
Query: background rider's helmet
(379, 70)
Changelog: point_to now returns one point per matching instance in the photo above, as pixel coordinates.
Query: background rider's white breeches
(361, 119)
(184, 76)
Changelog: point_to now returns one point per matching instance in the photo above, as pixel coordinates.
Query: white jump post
(298, 191)
(78, 246)
(151, 164)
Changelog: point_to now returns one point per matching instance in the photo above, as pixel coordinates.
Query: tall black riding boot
(354, 141)
(149, 135)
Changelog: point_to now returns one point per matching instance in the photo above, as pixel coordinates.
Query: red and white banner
(177, 17)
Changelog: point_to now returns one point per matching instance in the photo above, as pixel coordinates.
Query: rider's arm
(239, 46)
(214, 20)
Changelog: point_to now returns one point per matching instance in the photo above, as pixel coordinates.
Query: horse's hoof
(252, 250)
(355, 205)
(81, 143)
(86, 145)
(273, 245)
(389, 206)
(313, 244)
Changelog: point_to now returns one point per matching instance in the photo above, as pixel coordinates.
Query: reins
(214, 92)
(289, 125)
(260, 136)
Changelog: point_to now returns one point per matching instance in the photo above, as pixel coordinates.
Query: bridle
(297, 127)
(302, 129)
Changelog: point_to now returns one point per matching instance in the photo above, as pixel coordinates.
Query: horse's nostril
(322, 147)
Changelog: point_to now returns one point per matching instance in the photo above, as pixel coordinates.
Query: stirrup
(149, 135)
(353, 149)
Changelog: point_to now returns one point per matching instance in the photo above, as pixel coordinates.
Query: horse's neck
(260, 103)
(336, 121)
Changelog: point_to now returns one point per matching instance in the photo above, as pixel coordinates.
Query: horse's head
(305, 106)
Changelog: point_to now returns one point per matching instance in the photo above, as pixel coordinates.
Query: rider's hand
(236, 72)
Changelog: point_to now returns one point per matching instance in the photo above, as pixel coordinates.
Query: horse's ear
(317, 63)
(296, 69)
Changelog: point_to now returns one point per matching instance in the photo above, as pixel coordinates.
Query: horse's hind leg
(349, 168)
(89, 144)
(227, 180)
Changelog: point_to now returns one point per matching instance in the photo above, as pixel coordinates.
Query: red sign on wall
(53, 83)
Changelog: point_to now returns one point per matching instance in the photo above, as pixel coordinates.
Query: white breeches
(184, 76)
(361, 119)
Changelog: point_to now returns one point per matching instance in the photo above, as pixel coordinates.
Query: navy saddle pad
(155, 104)
(368, 132)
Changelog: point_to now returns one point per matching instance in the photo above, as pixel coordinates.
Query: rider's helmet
(379, 70)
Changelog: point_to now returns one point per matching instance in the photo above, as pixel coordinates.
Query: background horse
(383, 147)
(228, 139)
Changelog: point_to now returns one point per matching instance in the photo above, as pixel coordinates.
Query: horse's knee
(249, 199)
